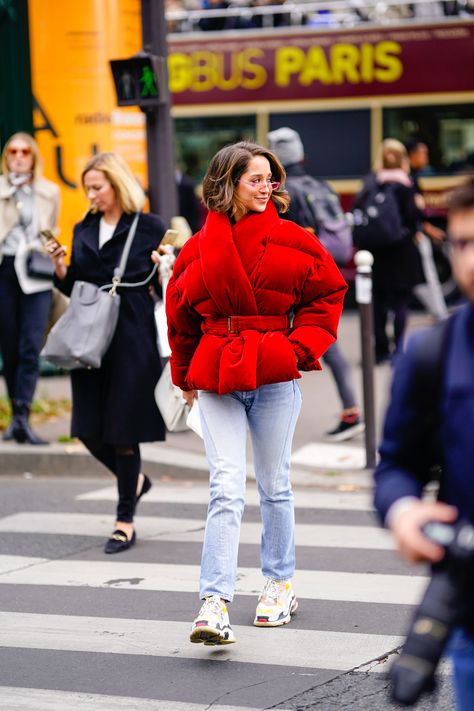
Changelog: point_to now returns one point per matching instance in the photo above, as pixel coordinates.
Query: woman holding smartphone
(113, 407)
(28, 204)
(253, 299)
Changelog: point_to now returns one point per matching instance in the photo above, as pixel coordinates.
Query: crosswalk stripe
(323, 650)
(314, 585)
(9, 563)
(34, 589)
(192, 494)
(21, 699)
(192, 530)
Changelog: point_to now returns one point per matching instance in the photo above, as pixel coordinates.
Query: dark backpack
(377, 221)
(314, 204)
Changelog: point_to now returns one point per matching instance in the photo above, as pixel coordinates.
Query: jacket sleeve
(184, 333)
(407, 450)
(65, 285)
(408, 210)
(318, 312)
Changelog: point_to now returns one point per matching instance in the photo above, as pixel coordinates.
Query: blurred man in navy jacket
(432, 423)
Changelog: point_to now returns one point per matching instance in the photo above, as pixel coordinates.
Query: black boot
(22, 431)
(9, 434)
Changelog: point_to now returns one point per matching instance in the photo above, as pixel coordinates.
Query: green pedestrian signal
(147, 83)
(139, 81)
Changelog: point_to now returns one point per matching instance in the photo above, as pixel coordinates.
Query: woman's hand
(57, 253)
(155, 257)
(162, 249)
(189, 396)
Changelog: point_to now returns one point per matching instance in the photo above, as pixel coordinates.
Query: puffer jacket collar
(233, 295)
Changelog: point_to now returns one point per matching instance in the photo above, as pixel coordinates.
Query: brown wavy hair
(225, 170)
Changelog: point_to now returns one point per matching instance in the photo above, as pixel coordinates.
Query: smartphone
(48, 236)
(170, 237)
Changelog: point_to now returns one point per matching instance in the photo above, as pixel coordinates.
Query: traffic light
(139, 81)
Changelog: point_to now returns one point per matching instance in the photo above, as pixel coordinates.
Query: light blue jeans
(461, 648)
(270, 413)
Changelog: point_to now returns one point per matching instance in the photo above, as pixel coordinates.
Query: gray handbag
(81, 337)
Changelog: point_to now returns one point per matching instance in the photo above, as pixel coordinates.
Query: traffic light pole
(159, 125)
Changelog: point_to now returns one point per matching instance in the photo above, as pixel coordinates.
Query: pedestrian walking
(429, 423)
(316, 207)
(385, 223)
(113, 407)
(253, 300)
(428, 291)
(28, 204)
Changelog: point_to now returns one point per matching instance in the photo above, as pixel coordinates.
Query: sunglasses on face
(19, 151)
(257, 183)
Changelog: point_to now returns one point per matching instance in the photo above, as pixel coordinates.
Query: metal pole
(363, 261)
(162, 187)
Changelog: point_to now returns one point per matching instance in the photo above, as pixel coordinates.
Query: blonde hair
(130, 194)
(37, 162)
(392, 154)
(225, 170)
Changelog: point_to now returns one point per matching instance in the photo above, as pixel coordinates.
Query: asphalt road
(80, 630)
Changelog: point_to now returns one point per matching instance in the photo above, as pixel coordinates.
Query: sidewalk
(315, 463)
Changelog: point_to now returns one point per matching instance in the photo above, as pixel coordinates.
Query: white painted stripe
(330, 456)
(22, 699)
(311, 584)
(188, 493)
(192, 530)
(295, 648)
(15, 562)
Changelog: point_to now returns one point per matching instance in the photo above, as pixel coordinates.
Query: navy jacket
(424, 427)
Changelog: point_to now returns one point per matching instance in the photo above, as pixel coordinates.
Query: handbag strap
(118, 272)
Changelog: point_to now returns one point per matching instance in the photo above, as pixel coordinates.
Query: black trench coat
(115, 403)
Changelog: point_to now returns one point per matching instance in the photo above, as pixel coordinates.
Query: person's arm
(318, 312)
(64, 276)
(406, 456)
(56, 200)
(184, 329)
(409, 210)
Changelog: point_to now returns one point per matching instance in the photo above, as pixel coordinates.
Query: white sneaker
(276, 604)
(212, 626)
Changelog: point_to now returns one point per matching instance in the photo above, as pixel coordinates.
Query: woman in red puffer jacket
(253, 300)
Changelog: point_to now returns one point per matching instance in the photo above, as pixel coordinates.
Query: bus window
(337, 143)
(447, 130)
(198, 139)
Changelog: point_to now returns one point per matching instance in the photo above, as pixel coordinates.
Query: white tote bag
(171, 403)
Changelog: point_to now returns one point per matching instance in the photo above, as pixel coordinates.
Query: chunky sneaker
(276, 604)
(349, 426)
(212, 626)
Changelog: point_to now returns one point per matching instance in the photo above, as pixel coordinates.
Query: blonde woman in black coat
(113, 406)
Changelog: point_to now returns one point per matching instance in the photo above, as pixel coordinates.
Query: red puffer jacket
(261, 268)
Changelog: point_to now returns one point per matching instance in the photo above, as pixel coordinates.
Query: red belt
(235, 324)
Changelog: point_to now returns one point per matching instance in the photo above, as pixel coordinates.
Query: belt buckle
(229, 325)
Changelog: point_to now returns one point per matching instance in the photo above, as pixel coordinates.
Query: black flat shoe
(119, 542)
(147, 484)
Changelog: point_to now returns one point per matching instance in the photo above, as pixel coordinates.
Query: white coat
(45, 215)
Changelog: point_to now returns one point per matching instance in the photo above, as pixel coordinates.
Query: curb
(72, 460)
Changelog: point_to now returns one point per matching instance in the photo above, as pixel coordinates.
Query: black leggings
(124, 462)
